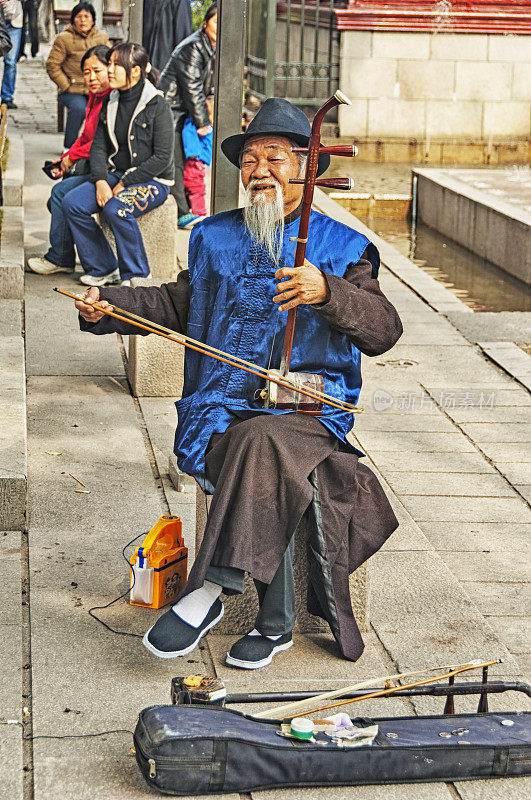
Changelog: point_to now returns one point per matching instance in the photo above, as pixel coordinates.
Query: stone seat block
(241, 610)
(159, 229)
(155, 366)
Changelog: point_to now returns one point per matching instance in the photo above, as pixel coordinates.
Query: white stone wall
(435, 85)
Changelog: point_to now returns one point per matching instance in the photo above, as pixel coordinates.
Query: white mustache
(262, 182)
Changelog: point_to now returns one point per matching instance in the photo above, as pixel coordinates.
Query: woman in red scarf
(61, 256)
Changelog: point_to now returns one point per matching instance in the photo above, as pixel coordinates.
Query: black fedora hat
(276, 117)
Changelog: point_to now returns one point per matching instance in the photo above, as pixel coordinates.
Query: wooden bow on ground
(314, 704)
(200, 347)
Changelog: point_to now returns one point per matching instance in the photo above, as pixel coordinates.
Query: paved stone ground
(36, 97)
(445, 429)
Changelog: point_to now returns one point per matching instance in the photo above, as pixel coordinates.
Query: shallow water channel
(477, 282)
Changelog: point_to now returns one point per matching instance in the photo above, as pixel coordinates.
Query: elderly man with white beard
(265, 467)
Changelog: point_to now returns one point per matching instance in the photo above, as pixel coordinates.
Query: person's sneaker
(127, 281)
(253, 652)
(188, 221)
(102, 280)
(9, 103)
(44, 267)
(171, 637)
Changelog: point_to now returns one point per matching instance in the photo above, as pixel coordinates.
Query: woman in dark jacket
(131, 162)
(187, 81)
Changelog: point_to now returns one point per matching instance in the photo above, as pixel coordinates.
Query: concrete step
(13, 179)
(13, 452)
(12, 253)
(10, 666)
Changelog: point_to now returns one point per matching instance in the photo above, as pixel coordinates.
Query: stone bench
(155, 366)
(13, 447)
(241, 611)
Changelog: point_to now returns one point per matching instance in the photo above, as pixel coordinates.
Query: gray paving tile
(415, 442)
(466, 509)
(448, 483)
(524, 660)
(506, 566)
(160, 417)
(404, 422)
(431, 462)
(498, 598)
(498, 431)
(73, 352)
(516, 632)
(515, 472)
(525, 491)
(498, 413)
(462, 536)
(11, 761)
(95, 430)
(433, 791)
(509, 789)
(423, 616)
(503, 451)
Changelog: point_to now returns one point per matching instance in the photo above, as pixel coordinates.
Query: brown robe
(262, 492)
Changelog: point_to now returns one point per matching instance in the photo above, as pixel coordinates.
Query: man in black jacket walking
(186, 82)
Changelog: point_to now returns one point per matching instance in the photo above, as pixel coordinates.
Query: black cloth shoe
(253, 652)
(10, 103)
(170, 636)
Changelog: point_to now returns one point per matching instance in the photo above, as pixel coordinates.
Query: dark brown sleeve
(167, 305)
(359, 309)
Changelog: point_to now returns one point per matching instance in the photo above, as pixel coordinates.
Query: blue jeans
(120, 212)
(62, 252)
(77, 107)
(10, 64)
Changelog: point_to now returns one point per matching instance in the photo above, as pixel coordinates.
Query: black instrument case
(194, 750)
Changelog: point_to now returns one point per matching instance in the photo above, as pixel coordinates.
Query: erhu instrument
(275, 395)
(298, 391)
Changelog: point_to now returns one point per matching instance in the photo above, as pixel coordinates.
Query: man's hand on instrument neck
(89, 313)
(305, 285)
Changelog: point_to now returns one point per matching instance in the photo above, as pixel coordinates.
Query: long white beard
(264, 218)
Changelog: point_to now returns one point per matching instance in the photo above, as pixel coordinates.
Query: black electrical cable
(65, 736)
(80, 735)
(112, 602)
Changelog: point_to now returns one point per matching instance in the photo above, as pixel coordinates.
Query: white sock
(195, 606)
(254, 632)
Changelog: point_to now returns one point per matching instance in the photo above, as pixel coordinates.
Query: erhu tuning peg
(329, 183)
(349, 150)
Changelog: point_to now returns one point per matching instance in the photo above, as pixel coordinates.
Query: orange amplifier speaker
(159, 565)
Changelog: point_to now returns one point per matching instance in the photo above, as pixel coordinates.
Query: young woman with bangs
(131, 162)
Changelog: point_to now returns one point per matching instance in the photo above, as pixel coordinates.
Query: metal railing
(293, 49)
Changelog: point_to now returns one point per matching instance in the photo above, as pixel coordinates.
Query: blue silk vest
(232, 285)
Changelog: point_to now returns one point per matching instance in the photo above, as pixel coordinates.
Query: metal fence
(292, 49)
